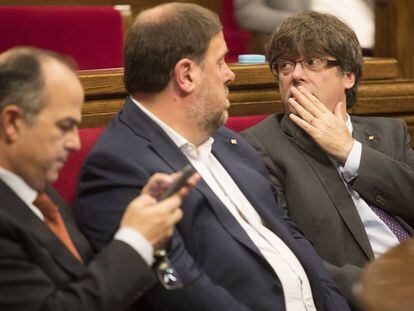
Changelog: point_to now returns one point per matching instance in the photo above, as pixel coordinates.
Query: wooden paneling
(394, 27)
(254, 92)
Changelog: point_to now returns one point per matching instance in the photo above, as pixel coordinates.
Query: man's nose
(73, 142)
(229, 75)
(297, 72)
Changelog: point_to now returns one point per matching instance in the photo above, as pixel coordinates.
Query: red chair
(236, 38)
(239, 124)
(69, 175)
(91, 35)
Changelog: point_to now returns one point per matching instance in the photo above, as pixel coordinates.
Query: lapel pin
(371, 137)
(233, 141)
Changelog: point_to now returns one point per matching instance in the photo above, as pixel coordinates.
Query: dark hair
(315, 34)
(22, 79)
(154, 46)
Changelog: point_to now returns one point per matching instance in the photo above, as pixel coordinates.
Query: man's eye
(66, 127)
(313, 62)
(285, 65)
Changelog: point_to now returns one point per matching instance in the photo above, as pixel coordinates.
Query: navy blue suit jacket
(220, 265)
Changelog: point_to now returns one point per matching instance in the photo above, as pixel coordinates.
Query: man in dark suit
(234, 248)
(45, 262)
(345, 181)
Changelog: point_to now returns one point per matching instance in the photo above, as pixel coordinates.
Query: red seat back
(91, 35)
(69, 175)
(239, 124)
(236, 38)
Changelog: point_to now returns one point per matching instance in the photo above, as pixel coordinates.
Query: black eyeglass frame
(328, 63)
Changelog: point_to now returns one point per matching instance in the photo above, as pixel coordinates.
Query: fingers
(305, 115)
(308, 101)
(307, 127)
(144, 200)
(191, 183)
(155, 221)
(157, 184)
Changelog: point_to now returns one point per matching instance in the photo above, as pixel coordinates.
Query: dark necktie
(54, 221)
(392, 223)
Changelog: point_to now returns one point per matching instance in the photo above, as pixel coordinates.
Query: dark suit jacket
(311, 190)
(37, 272)
(221, 267)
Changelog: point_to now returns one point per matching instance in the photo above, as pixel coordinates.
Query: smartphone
(186, 171)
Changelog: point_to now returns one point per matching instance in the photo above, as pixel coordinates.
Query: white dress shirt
(379, 234)
(295, 283)
(27, 194)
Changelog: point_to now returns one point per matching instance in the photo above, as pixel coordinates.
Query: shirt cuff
(138, 242)
(350, 170)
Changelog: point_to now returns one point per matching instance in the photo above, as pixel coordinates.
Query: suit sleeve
(386, 177)
(26, 282)
(102, 197)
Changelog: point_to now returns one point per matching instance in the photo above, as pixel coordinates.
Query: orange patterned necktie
(54, 221)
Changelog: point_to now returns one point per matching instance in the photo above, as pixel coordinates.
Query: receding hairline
(163, 12)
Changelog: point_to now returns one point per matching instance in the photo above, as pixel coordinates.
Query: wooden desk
(254, 92)
(387, 283)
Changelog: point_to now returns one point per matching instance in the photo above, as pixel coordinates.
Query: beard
(209, 113)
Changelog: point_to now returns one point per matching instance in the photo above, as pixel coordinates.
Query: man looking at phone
(234, 249)
(45, 262)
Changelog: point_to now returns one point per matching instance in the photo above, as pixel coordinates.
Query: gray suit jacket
(309, 187)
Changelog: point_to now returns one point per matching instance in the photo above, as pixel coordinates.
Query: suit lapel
(330, 180)
(158, 140)
(366, 136)
(165, 148)
(17, 210)
(226, 152)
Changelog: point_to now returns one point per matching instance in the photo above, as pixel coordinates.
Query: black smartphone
(186, 171)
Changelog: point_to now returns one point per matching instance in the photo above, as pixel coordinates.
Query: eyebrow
(72, 121)
(223, 55)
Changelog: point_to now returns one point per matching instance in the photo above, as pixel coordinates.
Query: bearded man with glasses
(345, 181)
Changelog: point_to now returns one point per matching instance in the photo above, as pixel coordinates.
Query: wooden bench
(254, 92)
(252, 95)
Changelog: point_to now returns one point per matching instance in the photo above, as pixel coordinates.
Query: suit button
(380, 199)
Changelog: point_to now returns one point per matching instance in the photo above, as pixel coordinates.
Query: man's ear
(349, 80)
(11, 122)
(184, 72)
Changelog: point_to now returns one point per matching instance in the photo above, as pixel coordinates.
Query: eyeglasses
(313, 64)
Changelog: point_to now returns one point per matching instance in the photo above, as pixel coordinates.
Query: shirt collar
(26, 193)
(348, 123)
(188, 148)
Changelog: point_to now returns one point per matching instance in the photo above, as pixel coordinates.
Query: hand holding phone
(180, 182)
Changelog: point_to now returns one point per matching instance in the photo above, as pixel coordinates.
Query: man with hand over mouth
(345, 181)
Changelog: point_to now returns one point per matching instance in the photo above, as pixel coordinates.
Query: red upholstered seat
(69, 175)
(92, 35)
(236, 38)
(239, 124)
